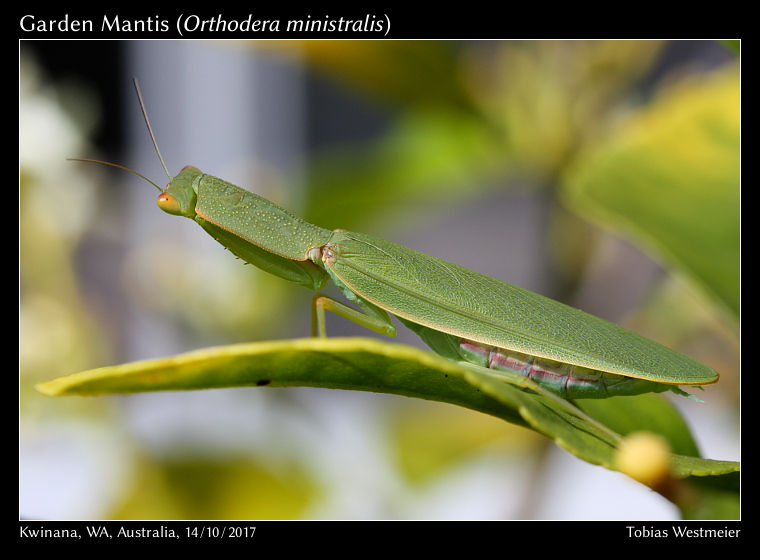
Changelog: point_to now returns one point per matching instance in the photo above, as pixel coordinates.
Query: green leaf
(581, 438)
(650, 412)
(366, 365)
(715, 487)
(669, 180)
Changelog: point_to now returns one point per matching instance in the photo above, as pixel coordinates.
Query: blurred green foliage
(432, 439)
(734, 45)
(518, 108)
(668, 178)
(223, 488)
(58, 333)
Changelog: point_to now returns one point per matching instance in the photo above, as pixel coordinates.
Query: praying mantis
(460, 314)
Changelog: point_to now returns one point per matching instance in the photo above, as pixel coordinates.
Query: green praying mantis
(460, 314)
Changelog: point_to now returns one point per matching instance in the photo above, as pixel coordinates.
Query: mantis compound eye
(169, 204)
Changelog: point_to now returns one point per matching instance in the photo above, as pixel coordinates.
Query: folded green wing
(461, 302)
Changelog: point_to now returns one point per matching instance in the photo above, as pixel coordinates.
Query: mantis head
(179, 196)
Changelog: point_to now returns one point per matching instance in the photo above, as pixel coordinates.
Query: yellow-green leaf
(669, 180)
(366, 365)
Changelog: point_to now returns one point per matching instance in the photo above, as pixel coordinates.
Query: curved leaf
(367, 365)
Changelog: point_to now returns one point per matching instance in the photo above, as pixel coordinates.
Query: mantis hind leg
(371, 317)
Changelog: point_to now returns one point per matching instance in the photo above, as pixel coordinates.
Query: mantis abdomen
(567, 380)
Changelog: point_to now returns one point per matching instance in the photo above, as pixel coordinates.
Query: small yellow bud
(645, 457)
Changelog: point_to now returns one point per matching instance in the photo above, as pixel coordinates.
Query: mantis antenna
(152, 137)
(150, 129)
(119, 166)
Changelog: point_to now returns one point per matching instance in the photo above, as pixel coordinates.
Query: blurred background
(604, 174)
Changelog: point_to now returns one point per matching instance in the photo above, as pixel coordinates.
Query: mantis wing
(458, 301)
